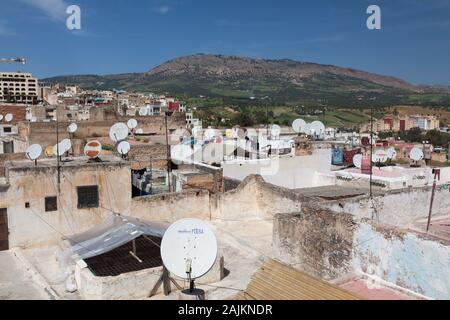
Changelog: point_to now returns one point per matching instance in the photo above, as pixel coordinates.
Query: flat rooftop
(332, 192)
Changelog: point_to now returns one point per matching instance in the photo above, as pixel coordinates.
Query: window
(87, 197)
(8, 147)
(7, 129)
(51, 204)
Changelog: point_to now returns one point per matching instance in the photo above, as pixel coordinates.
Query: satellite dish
(416, 154)
(380, 156)
(58, 150)
(1, 117)
(132, 123)
(365, 141)
(391, 153)
(298, 125)
(118, 132)
(8, 117)
(275, 130)
(143, 111)
(210, 134)
(28, 116)
(181, 152)
(357, 160)
(49, 151)
(72, 128)
(189, 249)
(123, 147)
(139, 131)
(93, 149)
(307, 128)
(318, 127)
(66, 144)
(33, 119)
(34, 152)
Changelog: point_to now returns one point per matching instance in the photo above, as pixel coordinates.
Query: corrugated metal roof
(276, 281)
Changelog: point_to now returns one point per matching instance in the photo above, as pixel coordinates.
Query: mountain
(242, 80)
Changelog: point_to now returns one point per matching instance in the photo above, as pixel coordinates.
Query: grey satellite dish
(118, 132)
(298, 125)
(8, 117)
(132, 123)
(416, 154)
(72, 128)
(189, 249)
(391, 153)
(34, 152)
(357, 160)
(123, 147)
(143, 111)
(139, 131)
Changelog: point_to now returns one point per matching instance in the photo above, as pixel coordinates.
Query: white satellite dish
(58, 150)
(189, 249)
(34, 152)
(66, 144)
(357, 160)
(143, 111)
(28, 116)
(416, 154)
(118, 132)
(123, 147)
(210, 134)
(298, 125)
(181, 152)
(380, 156)
(275, 130)
(33, 119)
(391, 153)
(8, 117)
(1, 117)
(308, 129)
(318, 127)
(139, 131)
(132, 123)
(72, 128)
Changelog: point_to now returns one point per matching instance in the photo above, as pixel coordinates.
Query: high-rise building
(18, 87)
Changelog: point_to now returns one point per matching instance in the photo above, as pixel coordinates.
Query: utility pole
(371, 148)
(169, 166)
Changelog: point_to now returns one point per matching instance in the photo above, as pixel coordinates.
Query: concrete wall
(290, 172)
(33, 226)
(399, 208)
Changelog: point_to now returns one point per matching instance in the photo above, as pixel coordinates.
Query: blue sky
(121, 36)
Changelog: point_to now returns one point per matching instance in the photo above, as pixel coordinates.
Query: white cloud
(55, 9)
(163, 9)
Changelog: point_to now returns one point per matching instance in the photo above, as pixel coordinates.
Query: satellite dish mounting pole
(57, 151)
(371, 149)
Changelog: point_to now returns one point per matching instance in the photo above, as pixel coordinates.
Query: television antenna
(92, 149)
(8, 117)
(357, 160)
(298, 125)
(123, 148)
(34, 152)
(118, 132)
(189, 249)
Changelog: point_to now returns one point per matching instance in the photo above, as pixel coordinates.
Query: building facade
(17, 87)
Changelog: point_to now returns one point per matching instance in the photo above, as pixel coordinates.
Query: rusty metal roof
(276, 281)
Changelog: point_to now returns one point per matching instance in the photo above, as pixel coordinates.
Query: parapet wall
(399, 208)
(330, 245)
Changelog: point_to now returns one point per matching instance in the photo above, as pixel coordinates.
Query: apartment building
(18, 87)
